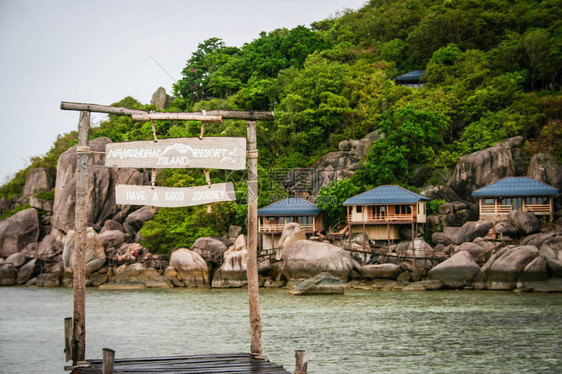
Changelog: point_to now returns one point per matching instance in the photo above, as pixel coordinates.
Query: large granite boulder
(94, 251)
(135, 220)
(291, 233)
(52, 245)
(111, 238)
(551, 250)
(210, 248)
(483, 167)
(546, 169)
(160, 99)
(504, 229)
(535, 271)
(504, 268)
(525, 223)
(190, 267)
(440, 238)
(28, 271)
(305, 259)
(8, 275)
(475, 248)
(321, 284)
(138, 273)
(101, 182)
(37, 180)
(15, 259)
(470, 231)
(17, 231)
(232, 272)
(538, 239)
(65, 185)
(380, 271)
(456, 272)
(424, 285)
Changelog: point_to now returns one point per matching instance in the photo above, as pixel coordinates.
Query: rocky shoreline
(534, 264)
(36, 244)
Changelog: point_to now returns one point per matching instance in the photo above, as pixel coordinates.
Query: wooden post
(252, 266)
(68, 338)
(81, 220)
(301, 362)
(108, 358)
(364, 234)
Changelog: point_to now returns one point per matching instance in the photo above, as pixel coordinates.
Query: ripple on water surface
(360, 332)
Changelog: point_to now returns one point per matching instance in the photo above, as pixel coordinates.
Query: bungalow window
(515, 202)
(536, 200)
(404, 209)
(489, 201)
(379, 211)
(305, 220)
(359, 209)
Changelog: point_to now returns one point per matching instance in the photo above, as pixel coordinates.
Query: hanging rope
(208, 179)
(202, 126)
(153, 184)
(154, 129)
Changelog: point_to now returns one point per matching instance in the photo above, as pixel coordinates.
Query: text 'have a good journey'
(174, 197)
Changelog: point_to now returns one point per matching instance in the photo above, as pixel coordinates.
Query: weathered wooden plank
(67, 105)
(252, 262)
(80, 223)
(175, 116)
(170, 197)
(197, 364)
(225, 114)
(208, 153)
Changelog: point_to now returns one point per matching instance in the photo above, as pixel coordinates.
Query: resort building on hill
(272, 220)
(379, 213)
(412, 79)
(498, 199)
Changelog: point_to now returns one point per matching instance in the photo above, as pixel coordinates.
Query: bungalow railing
(280, 226)
(535, 208)
(385, 218)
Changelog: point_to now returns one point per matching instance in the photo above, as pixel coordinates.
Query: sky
(104, 50)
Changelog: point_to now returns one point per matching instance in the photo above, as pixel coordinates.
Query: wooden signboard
(208, 153)
(169, 197)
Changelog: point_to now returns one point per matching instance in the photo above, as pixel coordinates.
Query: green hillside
(493, 70)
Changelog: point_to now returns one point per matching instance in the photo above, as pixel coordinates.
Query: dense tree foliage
(493, 69)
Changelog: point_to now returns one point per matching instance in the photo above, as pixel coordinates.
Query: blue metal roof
(385, 195)
(517, 186)
(415, 75)
(291, 206)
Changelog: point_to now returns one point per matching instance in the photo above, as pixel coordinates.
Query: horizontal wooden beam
(67, 105)
(225, 114)
(240, 114)
(175, 116)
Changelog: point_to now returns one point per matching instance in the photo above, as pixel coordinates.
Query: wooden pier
(197, 364)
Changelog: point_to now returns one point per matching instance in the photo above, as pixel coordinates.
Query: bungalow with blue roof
(498, 199)
(272, 219)
(412, 79)
(380, 212)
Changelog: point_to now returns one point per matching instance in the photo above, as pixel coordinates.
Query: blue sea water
(360, 332)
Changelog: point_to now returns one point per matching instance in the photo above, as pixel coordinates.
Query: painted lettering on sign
(174, 197)
(212, 153)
